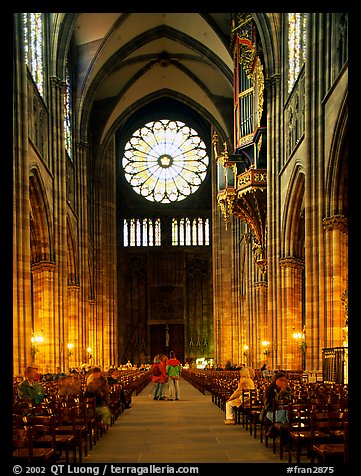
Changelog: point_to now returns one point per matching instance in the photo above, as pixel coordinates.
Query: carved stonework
(260, 284)
(336, 222)
(43, 266)
(295, 117)
(291, 262)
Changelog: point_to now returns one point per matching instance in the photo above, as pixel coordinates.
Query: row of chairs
(317, 425)
(66, 426)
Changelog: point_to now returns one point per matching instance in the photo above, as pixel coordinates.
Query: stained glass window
(190, 232)
(165, 161)
(141, 232)
(296, 46)
(33, 47)
(67, 114)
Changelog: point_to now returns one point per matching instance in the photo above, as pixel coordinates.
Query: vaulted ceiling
(125, 60)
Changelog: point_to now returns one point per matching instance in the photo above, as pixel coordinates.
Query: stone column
(336, 244)
(84, 245)
(274, 165)
(44, 322)
(21, 211)
(58, 159)
(291, 312)
(72, 331)
(262, 323)
(222, 278)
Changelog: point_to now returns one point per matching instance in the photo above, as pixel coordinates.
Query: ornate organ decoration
(242, 176)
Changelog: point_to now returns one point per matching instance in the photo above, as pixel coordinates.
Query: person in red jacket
(159, 376)
(174, 368)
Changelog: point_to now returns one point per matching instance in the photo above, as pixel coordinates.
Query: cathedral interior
(180, 182)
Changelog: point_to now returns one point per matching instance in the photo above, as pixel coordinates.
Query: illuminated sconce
(36, 339)
(265, 344)
(301, 339)
(245, 350)
(89, 350)
(70, 347)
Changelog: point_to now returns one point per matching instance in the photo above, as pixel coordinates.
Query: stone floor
(190, 430)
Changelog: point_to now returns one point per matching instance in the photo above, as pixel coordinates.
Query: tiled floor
(184, 431)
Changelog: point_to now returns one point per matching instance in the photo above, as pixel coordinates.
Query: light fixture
(300, 337)
(265, 344)
(35, 340)
(70, 346)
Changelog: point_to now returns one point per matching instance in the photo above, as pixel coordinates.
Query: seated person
(268, 372)
(98, 387)
(235, 400)
(29, 389)
(277, 390)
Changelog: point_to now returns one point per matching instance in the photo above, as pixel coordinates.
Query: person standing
(174, 368)
(159, 377)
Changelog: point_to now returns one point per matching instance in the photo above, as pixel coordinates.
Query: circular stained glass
(165, 161)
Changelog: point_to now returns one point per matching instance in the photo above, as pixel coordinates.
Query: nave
(190, 430)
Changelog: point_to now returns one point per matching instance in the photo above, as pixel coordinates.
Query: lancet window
(190, 231)
(296, 46)
(33, 47)
(68, 138)
(141, 232)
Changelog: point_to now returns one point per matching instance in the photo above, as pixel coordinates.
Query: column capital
(42, 266)
(291, 262)
(57, 82)
(73, 287)
(335, 222)
(260, 284)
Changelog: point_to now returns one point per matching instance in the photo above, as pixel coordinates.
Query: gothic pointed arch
(41, 240)
(337, 172)
(294, 217)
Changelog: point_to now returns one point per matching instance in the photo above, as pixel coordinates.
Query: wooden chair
(328, 453)
(278, 429)
(66, 423)
(325, 429)
(24, 451)
(299, 418)
(86, 415)
(256, 404)
(45, 435)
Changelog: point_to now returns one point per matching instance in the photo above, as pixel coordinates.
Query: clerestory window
(33, 47)
(297, 23)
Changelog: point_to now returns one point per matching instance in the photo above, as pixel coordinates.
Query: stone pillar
(336, 244)
(72, 332)
(85, 290)
(44, 322)
(222, 278)
(58, 159)
(274, 165)
(291, 312)
(91, 338)
(21, 210)
(262, 323)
